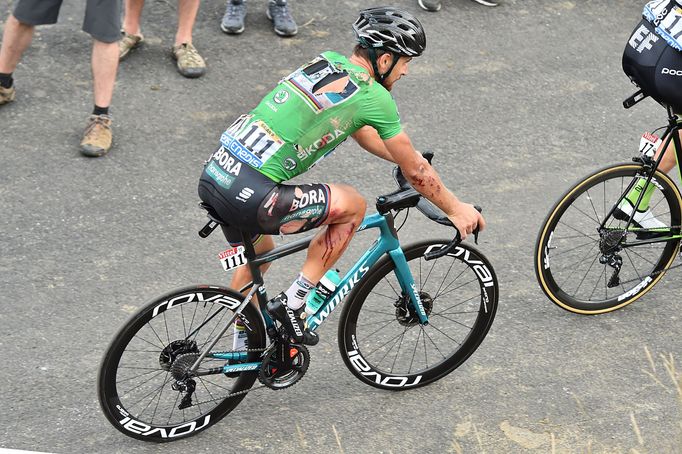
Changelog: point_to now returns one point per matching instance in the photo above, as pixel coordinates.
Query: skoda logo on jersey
(289, 164)
(672, 72)
(281, 97)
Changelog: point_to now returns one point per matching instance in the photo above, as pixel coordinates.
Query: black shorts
(249, 201)
(102, 17)
(654, 66)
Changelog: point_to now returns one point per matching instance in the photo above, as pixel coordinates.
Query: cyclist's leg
(346, 211)
(295, 209)
(242, 275)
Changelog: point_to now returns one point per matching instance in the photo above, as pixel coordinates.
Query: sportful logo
(244, 194)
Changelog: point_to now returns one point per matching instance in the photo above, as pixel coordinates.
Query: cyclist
(653, 61)
(307, 115)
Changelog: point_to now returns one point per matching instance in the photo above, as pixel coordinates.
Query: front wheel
(591, 270)
(137, 384)
(380, 337)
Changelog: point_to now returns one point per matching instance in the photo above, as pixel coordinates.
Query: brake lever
(452, 244)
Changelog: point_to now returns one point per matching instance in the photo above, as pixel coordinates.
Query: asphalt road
(517, 102)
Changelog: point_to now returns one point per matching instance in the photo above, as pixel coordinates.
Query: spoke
(458, 287)
(432, 342)
(378, 363)
(428, 275)
(589, 197)
(165, 322)
(191, 323)
(460, 303)
(118, 382)
(603, 273)
(585, 276)
(453, 321)
(145, 382)
(402, 337)
(554, 256)
(229, 390)
(438, 293)
(440, 331)
(632, 251)
(391, 285)
(380, 328)
(210, 335)
(627, 254)
(155, 333)
(384, 344)
(446, 276)
(572, 237)
(374, 322)
(154, 391)
(392, 298)
(574, 229)
(175, 405)
(426, 357)
(182, 317)
(414, 352)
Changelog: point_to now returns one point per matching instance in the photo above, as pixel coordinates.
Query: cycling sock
(6, 80)
(298, 292)
(633, 195)
(239, 341)
(100, 110)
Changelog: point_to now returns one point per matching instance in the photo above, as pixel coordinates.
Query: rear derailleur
(610, 245)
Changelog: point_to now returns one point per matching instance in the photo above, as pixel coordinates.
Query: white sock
(298, 292)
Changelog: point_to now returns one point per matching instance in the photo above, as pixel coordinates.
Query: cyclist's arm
(421, 175)
(368, 138)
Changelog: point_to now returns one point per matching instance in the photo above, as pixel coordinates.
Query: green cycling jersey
(308, 114)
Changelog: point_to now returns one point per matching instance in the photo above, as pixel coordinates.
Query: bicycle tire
(578, 214)
(156, 326)
(474, 290)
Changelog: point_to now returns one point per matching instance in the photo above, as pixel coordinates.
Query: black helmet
(390, 29)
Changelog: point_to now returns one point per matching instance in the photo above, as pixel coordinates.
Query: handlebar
(431, 211)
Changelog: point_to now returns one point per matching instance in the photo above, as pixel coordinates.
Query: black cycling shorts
(102, 17)
(654, 66)
(249, 201)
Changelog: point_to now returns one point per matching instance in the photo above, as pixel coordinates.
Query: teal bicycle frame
(387, 243)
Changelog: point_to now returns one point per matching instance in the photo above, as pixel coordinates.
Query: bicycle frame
(386, 243)
(671, 134)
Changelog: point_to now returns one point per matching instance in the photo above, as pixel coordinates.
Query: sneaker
(293, 321)
(485, 3)
(97, 137)
(189, 62)
(127, 43)
(641, 219)
(7, 95)
(281, 18)
(233, 20)
(429, 5)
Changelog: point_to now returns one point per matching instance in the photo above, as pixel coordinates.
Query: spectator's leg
(132, 33)
(15, 40)
(187, 14)
(189, 62)
(97, 138)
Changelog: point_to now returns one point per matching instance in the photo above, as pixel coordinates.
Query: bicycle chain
(238, 393)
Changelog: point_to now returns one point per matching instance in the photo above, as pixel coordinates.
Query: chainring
(274, 376)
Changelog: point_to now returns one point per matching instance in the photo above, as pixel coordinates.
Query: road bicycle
(412, 315)
(591, 255)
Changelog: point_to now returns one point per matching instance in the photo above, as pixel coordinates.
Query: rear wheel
(380, 337)
(575, 261)
(137, 380)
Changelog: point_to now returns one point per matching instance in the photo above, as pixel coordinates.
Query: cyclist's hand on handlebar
(466, 219)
